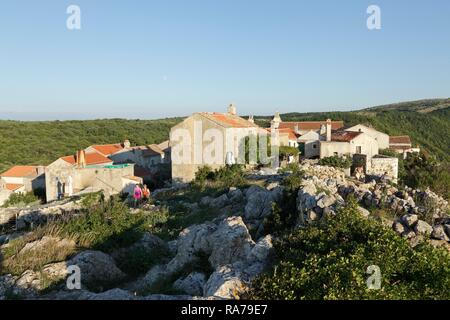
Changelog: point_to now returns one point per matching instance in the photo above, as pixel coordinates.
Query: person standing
(146, 193)
(137, 195)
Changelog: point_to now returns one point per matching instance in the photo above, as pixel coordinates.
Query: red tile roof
(344, 136)
(404, 140)
(228, 120)
(108, 149)
(91, 159)
(13, 186)
(311, 125)
(21, 171)
(288, 131)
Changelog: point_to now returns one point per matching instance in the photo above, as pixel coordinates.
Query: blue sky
(153, 59)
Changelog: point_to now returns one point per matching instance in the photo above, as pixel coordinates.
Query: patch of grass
(18, 261)
(21, 200)
(220, 179)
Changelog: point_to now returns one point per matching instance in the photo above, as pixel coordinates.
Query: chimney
(328, 130)
(81, 159)
(232, 109)
(250, 119)
(126, 144)
(275, 123)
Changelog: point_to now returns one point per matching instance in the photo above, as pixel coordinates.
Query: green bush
(336, 162)
(21, 199)
(285, 151)
(222, 178)
(330, 260)
(108, 225)
(285, 213)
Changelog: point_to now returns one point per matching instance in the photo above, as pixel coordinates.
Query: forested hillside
(44, 142)
(426, 121)
(428, 129)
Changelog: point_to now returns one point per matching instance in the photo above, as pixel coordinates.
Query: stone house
(349, 143)
(148, 156)
(381, 137)
(148, 159)
(88, 172)
(308, 133)
(208, 138)
(286, 137)
(402, 145)
(21, 179)
(24, 178)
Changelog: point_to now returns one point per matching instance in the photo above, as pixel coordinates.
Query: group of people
(141, 194)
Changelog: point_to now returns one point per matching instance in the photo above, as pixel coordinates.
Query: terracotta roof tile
(400, 140)
(228, 120)
(291, 133)
(344, 136)
(108, 149)
(13, 186)
(91, 159)
(21, 171)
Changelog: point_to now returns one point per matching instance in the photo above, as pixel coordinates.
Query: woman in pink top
(137, 195)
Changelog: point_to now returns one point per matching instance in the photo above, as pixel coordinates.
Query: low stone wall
(381, 165)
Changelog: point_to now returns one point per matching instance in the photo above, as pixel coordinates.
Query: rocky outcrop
(231, 242)
(230, 252)
(225, 283)
(192, 284)
(96, 267)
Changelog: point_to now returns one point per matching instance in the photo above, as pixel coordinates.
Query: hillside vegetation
(44, 141)
(430, 130)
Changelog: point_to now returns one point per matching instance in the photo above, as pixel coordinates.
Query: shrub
(285, 151)
(284, 213)
(336, 162)
(21, 199)
(222, 178)
(329, 261)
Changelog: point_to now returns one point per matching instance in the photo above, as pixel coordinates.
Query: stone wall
(381, 164)
(91, 178)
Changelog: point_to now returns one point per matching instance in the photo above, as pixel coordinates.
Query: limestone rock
(220, 201)
(398, 227)
(155, 274)
(364, 212)
(423, 228)
(410, 219)
(439, 233)
(190, 241)
(262, 249)
(192, 284)
(224, 283)
(6, 285)
(96, 267)
(326, 201)
(230, 242)
(259, 204)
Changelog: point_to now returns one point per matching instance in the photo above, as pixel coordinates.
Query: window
(315, 146)
(358, 149)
